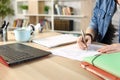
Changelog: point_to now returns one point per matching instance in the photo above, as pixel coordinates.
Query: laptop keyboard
(16, 53)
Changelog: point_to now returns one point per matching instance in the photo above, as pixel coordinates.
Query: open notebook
(56, 40)
(107, 62)
(74, 52)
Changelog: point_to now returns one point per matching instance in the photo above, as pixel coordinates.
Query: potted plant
(46, 9)
(5, 10)
(24, 8)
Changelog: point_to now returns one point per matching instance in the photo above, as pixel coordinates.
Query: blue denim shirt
(102, 16)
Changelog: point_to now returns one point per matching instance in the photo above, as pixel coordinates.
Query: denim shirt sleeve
(93, 22)
(98, 15)
(101, 17)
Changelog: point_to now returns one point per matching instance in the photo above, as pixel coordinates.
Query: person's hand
(110, 48)
(81, 43)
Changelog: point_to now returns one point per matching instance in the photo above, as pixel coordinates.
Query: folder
(99, 72)
(106, 62)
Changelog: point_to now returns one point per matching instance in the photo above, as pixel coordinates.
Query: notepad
(107, 62)
(56, 40)
(74, 52)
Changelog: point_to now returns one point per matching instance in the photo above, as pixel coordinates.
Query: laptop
(17, 53)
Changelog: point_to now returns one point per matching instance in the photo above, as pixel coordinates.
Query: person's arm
(91, 30)
(93, 26)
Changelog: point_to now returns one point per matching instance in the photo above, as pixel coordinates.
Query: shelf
(68, 0)
(70, 32)
(21, 16)
(21, 0)
(80, 12)
(63, 16)
(46, 15)
(44, 0)
(70, 16)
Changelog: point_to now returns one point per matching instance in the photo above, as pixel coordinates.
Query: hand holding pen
(84, 41)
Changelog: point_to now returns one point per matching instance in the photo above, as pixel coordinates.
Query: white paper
(74, 52)
(56, 40)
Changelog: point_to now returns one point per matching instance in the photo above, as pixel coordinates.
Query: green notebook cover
(107, 62)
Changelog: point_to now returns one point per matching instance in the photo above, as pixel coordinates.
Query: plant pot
(46, 12)
(24, 11)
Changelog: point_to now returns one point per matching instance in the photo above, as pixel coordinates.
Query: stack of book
(63, 10)
(20, 23)
(105, 66)
(45, 24)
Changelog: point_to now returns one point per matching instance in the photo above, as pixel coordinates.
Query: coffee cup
(22, 34)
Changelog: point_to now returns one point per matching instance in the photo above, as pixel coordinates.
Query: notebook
(74, 52)
(16, 53)
(108, 62)
(56, 40)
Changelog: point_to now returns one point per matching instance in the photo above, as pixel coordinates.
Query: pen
(6, 26)
(3, 25)
(83, 37)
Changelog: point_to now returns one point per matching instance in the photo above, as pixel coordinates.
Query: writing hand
(83, 45)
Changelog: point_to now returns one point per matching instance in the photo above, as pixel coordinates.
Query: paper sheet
(56, 40)
(74, 52)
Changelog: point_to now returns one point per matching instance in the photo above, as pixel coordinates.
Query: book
(56, 40)
(45, 24)
(20, 23)
(70, 10)
(14, 23)
(107, 62)
(57, 7)
(67, 10)
(55, 11)
(64, 10)
(97, 71)
(25, 23)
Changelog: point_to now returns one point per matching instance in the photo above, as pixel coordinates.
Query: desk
(48, 68)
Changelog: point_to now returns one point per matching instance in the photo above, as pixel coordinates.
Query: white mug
(22, 34)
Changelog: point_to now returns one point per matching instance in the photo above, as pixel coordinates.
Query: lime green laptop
(107, 62)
